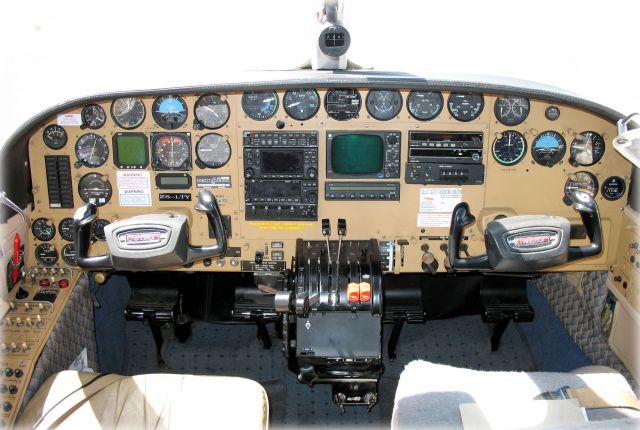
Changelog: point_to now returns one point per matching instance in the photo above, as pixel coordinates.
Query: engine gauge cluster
(43, 229)
(425, 105)
(384, 105)
(342, 104)
(465, 107)
(55, 137)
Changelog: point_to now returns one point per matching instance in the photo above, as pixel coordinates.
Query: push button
(353, 292)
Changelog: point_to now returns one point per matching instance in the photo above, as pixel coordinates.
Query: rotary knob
(249, 173)
(312, 173)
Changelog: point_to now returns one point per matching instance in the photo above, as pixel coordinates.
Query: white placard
(434, 220)
(134, 188)
(70, 119)
(439, 199)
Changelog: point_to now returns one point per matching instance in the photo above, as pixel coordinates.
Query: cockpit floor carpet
(234, 350)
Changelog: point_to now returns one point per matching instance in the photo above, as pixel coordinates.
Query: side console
(281, 175)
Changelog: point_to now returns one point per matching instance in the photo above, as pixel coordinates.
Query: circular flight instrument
(301, 104)
(69, 254)
(260, 105)
(95, 187)
(66, 229)
(46, 254)
(97, 229)
(54, 136)
(43, 229)
(169, 111)
(511, 110)
(613, 188)
(384, 104)
(92, 150)
(509, 148)
(93, 116)
(342, 104)
(425, 105)
(213, 150)
(211, 111)
(548, 148)
(587, 149)
(171, 152)
(552, 113)
(580, 181)
(465, 107)
(128, 112)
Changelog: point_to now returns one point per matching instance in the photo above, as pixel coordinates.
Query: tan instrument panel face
(420, 217)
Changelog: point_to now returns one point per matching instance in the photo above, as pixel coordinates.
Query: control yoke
(529, 242)
(148, 242)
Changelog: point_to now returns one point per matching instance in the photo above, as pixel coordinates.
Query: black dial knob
(312, 198)
(19, 373)
(248, 173)
(7, 406)
(312, 173)
(392, 140)
(13, 389)
(8, 372)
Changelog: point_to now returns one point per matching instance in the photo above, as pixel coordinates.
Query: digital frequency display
(277, 189)
(282, 162)
(357, 154)
(131, 150)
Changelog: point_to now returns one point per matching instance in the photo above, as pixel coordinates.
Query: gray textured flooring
(215, 349)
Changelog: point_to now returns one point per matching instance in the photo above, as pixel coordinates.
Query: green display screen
(357, 154)
(131, 150)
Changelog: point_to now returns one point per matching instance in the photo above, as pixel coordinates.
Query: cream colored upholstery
(156, 401)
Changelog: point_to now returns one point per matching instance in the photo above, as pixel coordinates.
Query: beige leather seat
(429, 395)
(156, 401)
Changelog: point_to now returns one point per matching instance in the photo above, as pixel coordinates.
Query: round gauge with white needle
(54, 136)
(93, 116)
(128, 112)
(580, 181)
(465, 107)
(509, 148)
(171, 151)
(213, 151)
(384, 104)
(212, 111)
(260, 105)
(301, 104)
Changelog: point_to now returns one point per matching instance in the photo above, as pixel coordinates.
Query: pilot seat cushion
(429, 394)
(154, 401)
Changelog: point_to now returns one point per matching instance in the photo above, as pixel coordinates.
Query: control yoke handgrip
(86, 214)
(460, 218)
(586, 205)
(82, 220)
(207, 203)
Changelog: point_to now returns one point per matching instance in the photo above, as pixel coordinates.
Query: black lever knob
(342, 227)
(326, 227)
